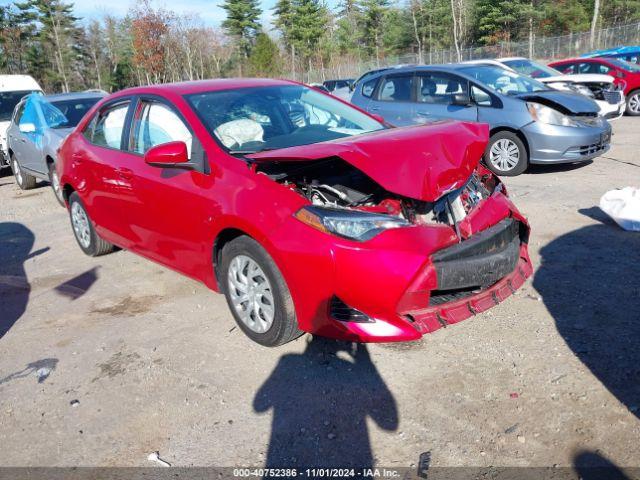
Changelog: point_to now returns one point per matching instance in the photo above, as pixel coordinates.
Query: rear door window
(369, 87)
(107, 128)
(396, 88)
(593, 67)
(439, 88)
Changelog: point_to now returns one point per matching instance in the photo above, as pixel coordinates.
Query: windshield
(630, 67)
(249, 120)
(530, 68)
(8, 101)
(503, 81)
(66, 113)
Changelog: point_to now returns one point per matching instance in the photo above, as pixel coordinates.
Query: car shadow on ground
(589, 282)
(593, 466)
(321, 400)
(16, 242)
(557, 167)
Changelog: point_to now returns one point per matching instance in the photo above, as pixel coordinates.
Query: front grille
(481, 260)
(612, 96)
(592, 149)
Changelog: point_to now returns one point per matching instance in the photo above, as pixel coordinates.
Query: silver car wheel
(17, 172)
(55, 183)
(504, 155)
(634, 103)
(80, 223)
(251, 294)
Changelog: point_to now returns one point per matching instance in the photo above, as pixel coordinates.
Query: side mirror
(169, 155)
(27, 127)
(461, 99)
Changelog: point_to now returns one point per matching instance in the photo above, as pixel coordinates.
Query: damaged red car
(310, 215)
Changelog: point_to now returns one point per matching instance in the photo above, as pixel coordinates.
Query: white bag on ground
(623, 206)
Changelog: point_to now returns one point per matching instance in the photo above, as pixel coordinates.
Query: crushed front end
(364, 263)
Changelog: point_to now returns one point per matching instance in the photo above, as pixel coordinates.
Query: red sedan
(626, 75)
(307, 213)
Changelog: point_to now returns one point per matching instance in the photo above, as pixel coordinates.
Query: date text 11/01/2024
(316, 472)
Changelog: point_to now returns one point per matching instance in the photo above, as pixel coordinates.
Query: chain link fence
(542, 48)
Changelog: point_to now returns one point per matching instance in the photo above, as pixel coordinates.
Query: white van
(12, 89)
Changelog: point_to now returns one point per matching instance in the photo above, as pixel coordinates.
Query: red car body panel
(626, 79)
(396, 158)
(175, 217)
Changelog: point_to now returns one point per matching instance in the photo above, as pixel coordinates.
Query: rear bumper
(558, 144)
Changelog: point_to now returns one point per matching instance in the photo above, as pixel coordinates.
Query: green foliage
(242, 22)
(265, 57)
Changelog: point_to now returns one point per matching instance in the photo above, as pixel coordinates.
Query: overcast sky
(208, 10)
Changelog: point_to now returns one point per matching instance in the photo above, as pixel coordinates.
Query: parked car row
(372, 232)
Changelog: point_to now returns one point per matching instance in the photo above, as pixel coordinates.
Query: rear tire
(506, 154)
(257, 293)
(633, 103)
(83, 229)
(54, 180)
(23, 180)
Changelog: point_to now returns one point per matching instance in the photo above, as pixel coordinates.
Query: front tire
(633, 103)
(83, 229)
(506, 154)
(54, 180)
(23, 179)
(257, 293)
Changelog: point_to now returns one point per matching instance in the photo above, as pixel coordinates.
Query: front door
(434, 98)
(173, 208)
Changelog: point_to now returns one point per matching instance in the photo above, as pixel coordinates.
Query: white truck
(12, 89)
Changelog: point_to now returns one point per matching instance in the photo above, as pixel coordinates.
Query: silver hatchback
(529, 123)
(39, 125)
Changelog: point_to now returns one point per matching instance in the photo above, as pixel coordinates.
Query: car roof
(18, 83)
(614, 51)
(202, 86)
(74, 96)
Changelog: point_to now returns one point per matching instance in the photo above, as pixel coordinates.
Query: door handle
(375, 109)
(125, 173)
(424, 114)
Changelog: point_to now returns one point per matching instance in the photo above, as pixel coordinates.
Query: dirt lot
(106, 360)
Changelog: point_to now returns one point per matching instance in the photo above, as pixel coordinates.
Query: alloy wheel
(634, 103)
(55, 183)
(80, 223)
(17, 172)
(251, 293)
(504, 155)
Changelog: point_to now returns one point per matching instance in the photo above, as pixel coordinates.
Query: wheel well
(519, 134)
(67, 190)
(224, 237)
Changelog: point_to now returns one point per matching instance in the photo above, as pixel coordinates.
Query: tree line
(153, 44)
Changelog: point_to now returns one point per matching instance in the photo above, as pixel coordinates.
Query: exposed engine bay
(334, 183)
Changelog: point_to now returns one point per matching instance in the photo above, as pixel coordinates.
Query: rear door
(435, 93)
(105, 165)
(393, 99)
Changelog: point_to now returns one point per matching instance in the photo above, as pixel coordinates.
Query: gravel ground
(106, 360)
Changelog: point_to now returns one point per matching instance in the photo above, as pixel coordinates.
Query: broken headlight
(360, 226)
(543, 114)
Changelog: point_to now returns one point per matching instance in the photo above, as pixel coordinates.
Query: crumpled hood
(569, 103)
(421, 162)
(578, 78)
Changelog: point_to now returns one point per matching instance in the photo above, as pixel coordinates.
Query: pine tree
(372, 24)
(242, 23)
(265, 57)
